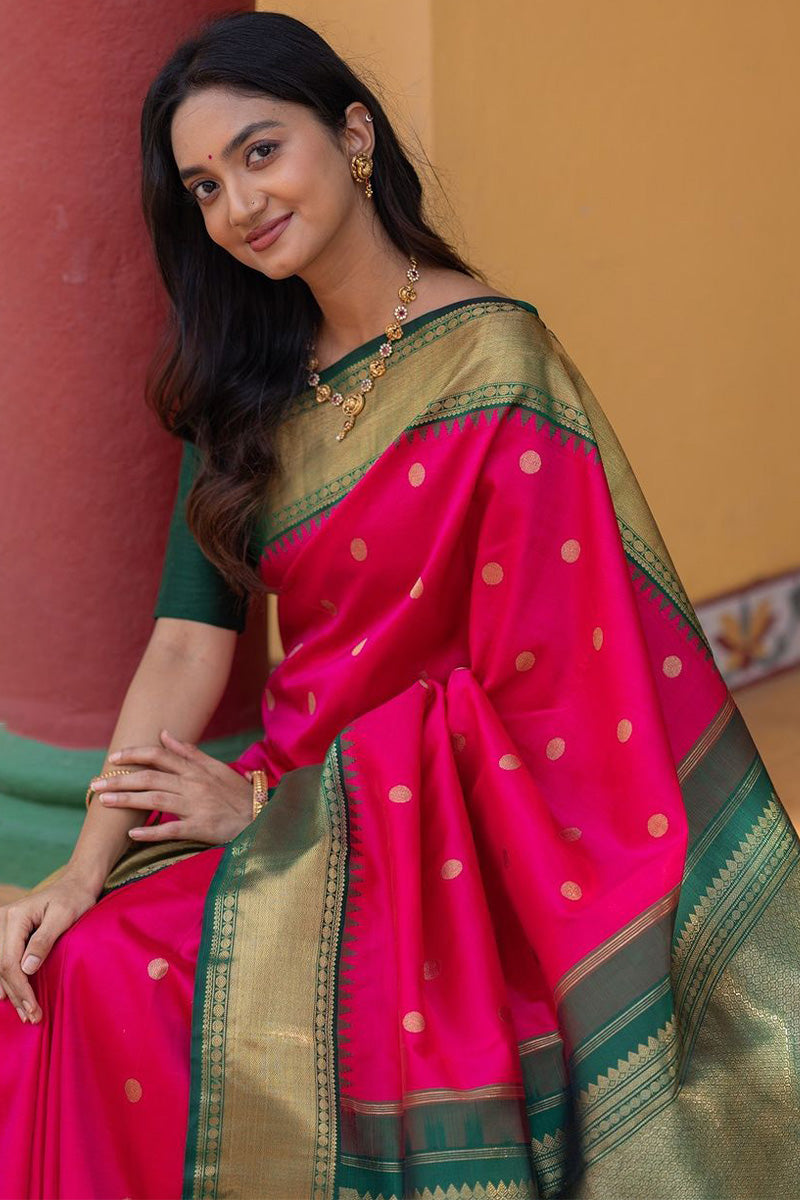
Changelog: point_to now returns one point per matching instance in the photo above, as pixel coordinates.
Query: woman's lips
(271, 235)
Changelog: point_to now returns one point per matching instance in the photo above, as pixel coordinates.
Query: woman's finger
(17, 986)
(144, 780)
(160, 801)
(169, 831)
(152, 756)
(186, 750)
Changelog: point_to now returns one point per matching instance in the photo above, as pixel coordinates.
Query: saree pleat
(520, 918)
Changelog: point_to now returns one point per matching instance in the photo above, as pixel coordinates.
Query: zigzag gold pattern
(738, 797)
(648, 1076)
(492, 1191)
(686, 941)
(549, 1154)
(604, 1084)
(666, 580)
(327, 1116)
(636, 1088)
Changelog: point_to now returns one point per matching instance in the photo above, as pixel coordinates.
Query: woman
(519, 915)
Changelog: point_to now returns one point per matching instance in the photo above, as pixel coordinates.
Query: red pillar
(88, 476)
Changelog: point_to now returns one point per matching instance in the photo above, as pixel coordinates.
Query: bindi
(211, 156)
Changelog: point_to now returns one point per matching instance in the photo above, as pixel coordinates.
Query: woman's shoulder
(444, 286)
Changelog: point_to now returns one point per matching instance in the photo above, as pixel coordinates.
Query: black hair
(236, 343)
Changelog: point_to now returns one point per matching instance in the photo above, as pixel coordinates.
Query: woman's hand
(46, 915)
(212, 802)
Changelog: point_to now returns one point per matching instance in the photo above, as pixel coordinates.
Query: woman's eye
(261, 146)
(265, 146)
(201, 195)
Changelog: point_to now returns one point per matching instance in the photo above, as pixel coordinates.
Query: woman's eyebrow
(235, 143)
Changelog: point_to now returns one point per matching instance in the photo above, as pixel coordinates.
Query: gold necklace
(352, 405)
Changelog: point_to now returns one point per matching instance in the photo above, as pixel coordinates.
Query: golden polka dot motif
(570, 550)
(312, 702)
(270, 699)
(525, 660)
(672, 666)
(571, 833)
(509, 762)
(597, 637)
(459, 742)
(571, 890)
(416, 590)
(624, 729)
(491, 573)
(157, 968)
(529, 462)
(357, 649)
(657, 825)
(452, 868)
(400, 794)
(413, 1022)
(416, 474)
(555, 747)
(329, 606)
(431, 968)
(358, 549)
(133, 1090)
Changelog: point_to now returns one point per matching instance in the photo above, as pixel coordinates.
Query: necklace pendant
(353, 404)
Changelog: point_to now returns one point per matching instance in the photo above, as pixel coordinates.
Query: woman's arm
(177, 686)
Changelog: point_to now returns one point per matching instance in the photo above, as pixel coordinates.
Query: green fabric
(42, 799)
(192, 587)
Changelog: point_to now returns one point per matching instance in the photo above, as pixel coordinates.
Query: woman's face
(243, 177)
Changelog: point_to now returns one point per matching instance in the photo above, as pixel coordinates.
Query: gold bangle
(260, 793)
(107, 775)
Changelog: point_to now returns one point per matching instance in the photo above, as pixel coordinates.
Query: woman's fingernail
(30, 963)
(26, 1004)
(22, 1016)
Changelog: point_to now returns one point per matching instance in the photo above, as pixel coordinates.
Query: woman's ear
(358, 134)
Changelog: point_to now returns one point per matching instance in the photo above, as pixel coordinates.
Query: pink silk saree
(520, 918)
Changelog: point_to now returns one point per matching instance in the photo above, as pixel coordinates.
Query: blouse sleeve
(192, 587)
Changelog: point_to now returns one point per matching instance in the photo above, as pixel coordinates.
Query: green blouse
(191, 585)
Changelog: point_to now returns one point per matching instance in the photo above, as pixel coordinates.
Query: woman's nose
(243, 205)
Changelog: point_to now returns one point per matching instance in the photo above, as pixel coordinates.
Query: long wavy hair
(236, 342)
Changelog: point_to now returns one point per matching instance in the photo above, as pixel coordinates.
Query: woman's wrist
(101, 843)
(86, 874)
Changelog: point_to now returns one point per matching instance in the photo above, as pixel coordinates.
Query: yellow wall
(628, 168)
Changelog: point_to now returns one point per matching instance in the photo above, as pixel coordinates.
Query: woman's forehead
(213, 116)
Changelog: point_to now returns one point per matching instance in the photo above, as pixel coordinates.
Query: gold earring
(361, 169)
